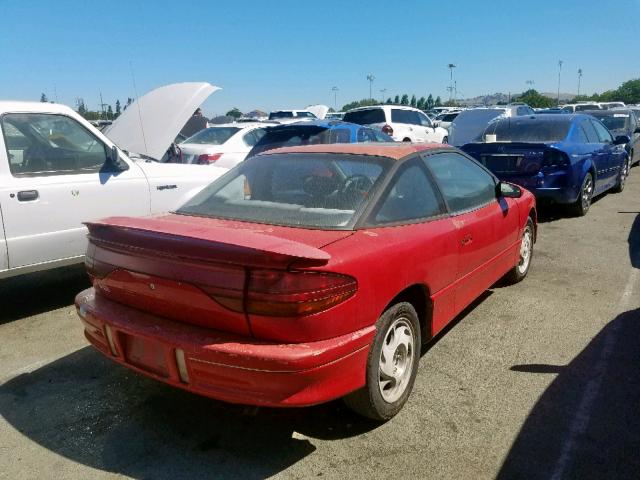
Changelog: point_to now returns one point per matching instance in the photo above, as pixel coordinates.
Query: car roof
(43, 107)
(243, 125)
(401, 107)
(324, 123)
(394, 150)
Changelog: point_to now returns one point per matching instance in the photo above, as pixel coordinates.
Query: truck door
(55, 179)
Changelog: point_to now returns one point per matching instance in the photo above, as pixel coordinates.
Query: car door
(412, 217)
(428, 130)
(56, 178)
(595, 152)
(405, 125)
(487, 227)
(612, 155)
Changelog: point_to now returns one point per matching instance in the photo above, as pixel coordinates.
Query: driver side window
(48, 144)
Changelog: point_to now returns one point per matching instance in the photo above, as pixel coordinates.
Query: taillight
(289, 294)
(554, 158)
(207, 159)
(387, 129)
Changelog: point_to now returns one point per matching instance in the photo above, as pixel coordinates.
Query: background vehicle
(404, 124)
(562, 158)
(469, 124)
(581, 107)
(444, 119)
(223, 145)
(57, 171)
(316, 132)
(282, 303)
(334, 116)
(622, 122)
(285, 116)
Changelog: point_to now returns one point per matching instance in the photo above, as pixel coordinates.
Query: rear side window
(366, 135)
(254, 136)
(411, 196)
(590, 132)
(405, 116)
(603, 134)
(464, 184)
(47, 144)
(365, 117)
(306, 115)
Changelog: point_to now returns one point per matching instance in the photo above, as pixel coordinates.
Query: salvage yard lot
(536, 380)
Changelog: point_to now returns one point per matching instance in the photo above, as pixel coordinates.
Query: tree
(413, 101)
(109, 113)
(365, 102)
(421, 103)
(129, 102)
(82, 110)
(43, 98)
(118, 111)
(389, 101)
(404, 100)
(397, 100)
(532, 98)
(438, 102)
(235, 113)
(429, 104)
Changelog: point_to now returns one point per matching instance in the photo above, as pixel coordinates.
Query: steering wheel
(354, 189)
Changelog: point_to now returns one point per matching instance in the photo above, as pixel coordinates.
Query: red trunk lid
(172, 265)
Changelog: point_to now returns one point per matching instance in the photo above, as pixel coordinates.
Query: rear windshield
(292, 136)
(213, 135)
(617, 121)
(300, 190)
(365, 117)
(274, 115)
(515, 130)
(582, 108)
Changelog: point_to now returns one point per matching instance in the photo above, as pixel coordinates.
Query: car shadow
(586, 424)
(97, 413)
(634, 241)
(40, 292)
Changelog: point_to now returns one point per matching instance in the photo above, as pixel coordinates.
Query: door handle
(466, 240)
(27, 195)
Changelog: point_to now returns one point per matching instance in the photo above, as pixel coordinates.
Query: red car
(306, 273)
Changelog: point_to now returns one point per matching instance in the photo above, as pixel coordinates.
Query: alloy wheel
(396, 360)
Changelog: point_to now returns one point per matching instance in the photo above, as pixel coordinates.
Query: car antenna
(135, 92)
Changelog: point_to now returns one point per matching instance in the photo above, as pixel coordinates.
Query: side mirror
(508, 190)
(637, 130)
(113, 162)
(621, 140)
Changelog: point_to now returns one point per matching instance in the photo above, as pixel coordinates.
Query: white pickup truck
(57, 171)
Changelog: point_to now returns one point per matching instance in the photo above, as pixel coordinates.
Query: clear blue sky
(275, 54)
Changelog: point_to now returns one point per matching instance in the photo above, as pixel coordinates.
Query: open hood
(319, 111)
(149, 125)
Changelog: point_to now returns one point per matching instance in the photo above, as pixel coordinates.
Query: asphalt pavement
(534, 381)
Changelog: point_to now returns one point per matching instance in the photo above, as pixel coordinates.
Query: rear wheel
(406, 140)
(517, 273)
(581, 206)
(445, 140)
(622, 176)
(392, 365)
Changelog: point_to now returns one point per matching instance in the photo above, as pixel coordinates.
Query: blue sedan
(316, 132)
(560, 158)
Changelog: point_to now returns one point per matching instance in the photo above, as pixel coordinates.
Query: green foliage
(413, 101)
(234, 112)
(365, 102)
(451, 103)
(43, 98)
(628, 92)
(118, 109)
(404, 100)
(535, 100)
(389, 101)
(397, 100)
(429, 103)
(438, 102)
(109, 113)
(420, 103)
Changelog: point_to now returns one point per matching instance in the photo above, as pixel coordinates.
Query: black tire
(581, 206)
(369, 400)
(622, 176)
(445, 140)
(406, 140)
(517, 273)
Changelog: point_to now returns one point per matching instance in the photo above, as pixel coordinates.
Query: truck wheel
(391, 366)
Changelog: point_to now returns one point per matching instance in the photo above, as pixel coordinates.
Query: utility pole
(335, 98)
(371, 78)
(451, 66)
(529, 84)
(382, 91)
(579, 80)
(560, 62)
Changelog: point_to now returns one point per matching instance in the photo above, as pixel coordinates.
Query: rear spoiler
(161, 237)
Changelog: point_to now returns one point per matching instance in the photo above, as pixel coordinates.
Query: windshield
(526, 130)
(292, 136)
(213, 135)
(274, 115)
(582, 108)
(617, 121)
(468, 125)
(302, 190)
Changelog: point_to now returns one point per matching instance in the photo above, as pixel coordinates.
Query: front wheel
(520, 270)
(392, 365)
(622, 176)
(582, 204)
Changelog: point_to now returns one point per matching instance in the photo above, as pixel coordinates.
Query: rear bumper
(225, 366)
(555, 187)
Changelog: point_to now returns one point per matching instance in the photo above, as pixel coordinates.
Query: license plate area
(145, 354)
(502, 163)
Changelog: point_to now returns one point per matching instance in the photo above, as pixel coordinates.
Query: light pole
(451, 66)
(335, 98)
(371, 78)
(530, 84)
(559, 73)
(579, 79)
(382, 91)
